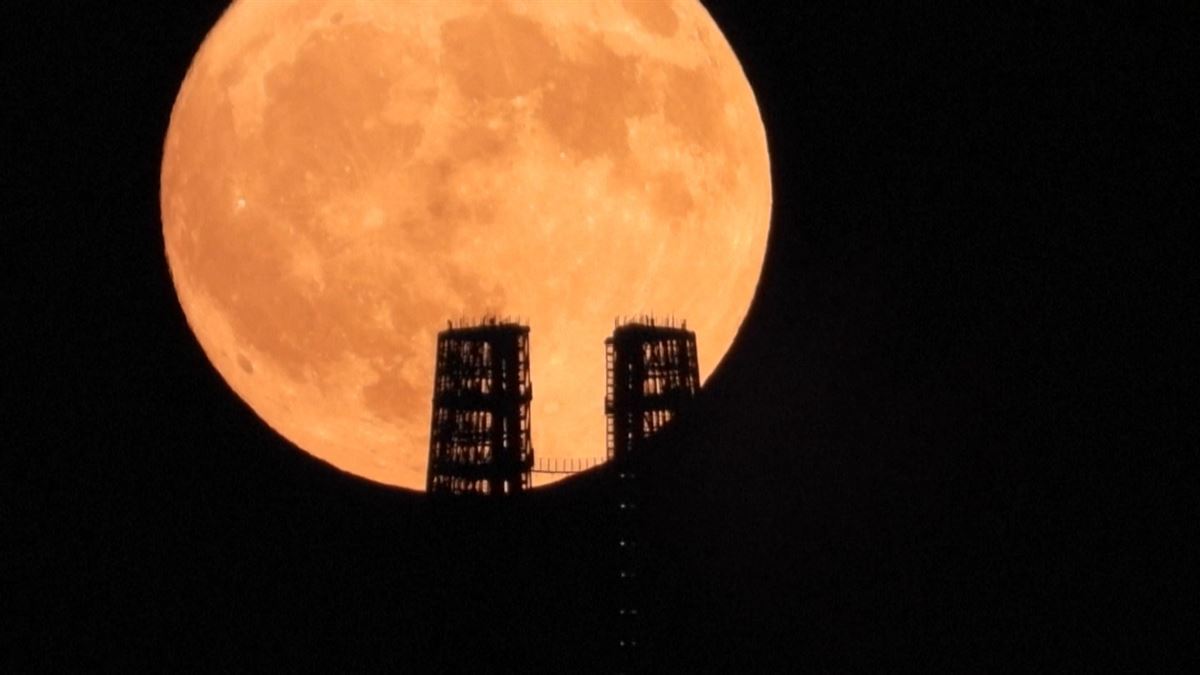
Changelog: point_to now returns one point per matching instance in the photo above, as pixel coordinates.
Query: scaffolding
(652, 372)
(480, 439)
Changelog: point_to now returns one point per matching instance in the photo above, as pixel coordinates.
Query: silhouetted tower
(479, 442)
(652, 374)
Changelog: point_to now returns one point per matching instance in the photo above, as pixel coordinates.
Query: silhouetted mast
(653, 373)
(480, 439)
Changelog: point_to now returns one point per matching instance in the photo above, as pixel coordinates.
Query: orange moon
(339, 179)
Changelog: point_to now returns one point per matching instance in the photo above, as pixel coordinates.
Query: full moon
(340, 179)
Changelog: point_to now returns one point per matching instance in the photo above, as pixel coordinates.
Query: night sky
(940, 442)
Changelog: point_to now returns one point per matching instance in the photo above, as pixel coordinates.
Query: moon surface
(340, 179)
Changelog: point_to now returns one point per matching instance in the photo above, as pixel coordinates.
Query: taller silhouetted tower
(480, 437)
(652, 374)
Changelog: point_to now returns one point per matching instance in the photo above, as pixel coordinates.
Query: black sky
(939, 442)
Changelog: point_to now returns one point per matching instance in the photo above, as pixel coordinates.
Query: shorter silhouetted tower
(480, 442)
(652, 374)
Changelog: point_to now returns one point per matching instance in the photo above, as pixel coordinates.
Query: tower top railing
(649, 321)
(486, 321)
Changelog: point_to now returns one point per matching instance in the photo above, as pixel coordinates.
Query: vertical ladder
(608, 397)
(627, 637)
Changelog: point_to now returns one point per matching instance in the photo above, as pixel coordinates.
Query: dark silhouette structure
(480, 441)
(652, 374)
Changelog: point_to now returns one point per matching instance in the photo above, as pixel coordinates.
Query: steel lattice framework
(652, 373)
(480, 440)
